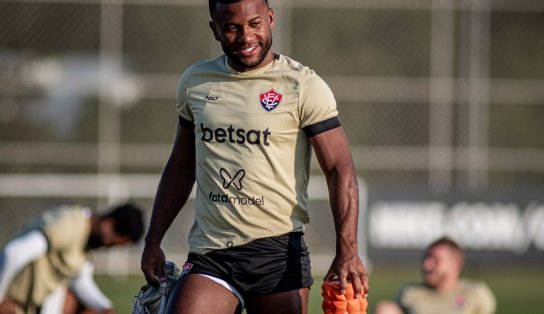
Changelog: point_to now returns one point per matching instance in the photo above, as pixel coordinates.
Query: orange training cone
(336, 303)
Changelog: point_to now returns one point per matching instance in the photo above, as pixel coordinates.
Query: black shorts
(264, 266)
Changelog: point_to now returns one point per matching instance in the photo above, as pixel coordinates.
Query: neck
(266, 61)
(448, 284)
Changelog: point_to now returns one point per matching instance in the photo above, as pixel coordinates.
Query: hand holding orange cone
(334, 302)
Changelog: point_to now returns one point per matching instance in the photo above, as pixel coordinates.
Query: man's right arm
(174, 189)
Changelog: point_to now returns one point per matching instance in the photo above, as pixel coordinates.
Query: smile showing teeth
(248, 50)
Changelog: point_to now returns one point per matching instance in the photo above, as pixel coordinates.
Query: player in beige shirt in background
(45, 268)
(248, 121)
(443, 291)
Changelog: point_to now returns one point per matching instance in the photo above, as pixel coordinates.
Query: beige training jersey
(469, 297)
(67, 231)
(252, 148)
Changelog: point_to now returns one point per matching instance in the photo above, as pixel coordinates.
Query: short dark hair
(128, 220)
(450, 243)
(213, 3)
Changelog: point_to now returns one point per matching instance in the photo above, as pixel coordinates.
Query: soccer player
(443, 290)
(46, 266)
(247, 123)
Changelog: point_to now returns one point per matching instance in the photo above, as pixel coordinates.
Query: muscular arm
(334, 156)
(174, 189)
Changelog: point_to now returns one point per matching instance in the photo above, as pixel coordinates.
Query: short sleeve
(317, 101)
(182, 104)
(487, 301)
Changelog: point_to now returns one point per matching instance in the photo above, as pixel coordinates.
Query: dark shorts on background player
(264, 266)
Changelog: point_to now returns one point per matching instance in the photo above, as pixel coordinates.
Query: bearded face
(244, 30)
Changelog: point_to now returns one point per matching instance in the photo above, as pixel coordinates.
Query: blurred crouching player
(45, 268)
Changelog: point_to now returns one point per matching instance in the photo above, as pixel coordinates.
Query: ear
(214, 31)
(271, 19)
(107, 223)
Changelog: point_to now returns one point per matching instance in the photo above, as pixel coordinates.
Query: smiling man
(248, 121)
(443, 290)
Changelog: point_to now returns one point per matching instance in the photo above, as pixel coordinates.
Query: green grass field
(519, 289)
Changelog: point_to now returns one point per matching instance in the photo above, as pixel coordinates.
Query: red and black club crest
(270, 100)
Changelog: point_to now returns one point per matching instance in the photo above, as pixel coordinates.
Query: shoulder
(199, 72)
(207, 66)
(76, 210)
(410, 294)
(66, 217)
(480, 292)
(413, 292)
(411, 287)
(474, 286)
(68, 212)
(294, 67)
(65, 224)
(309, 81)
(291, 64)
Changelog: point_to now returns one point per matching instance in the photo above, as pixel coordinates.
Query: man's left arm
(334, 156)
(88, 292)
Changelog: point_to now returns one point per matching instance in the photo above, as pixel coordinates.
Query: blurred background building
(443, 102)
